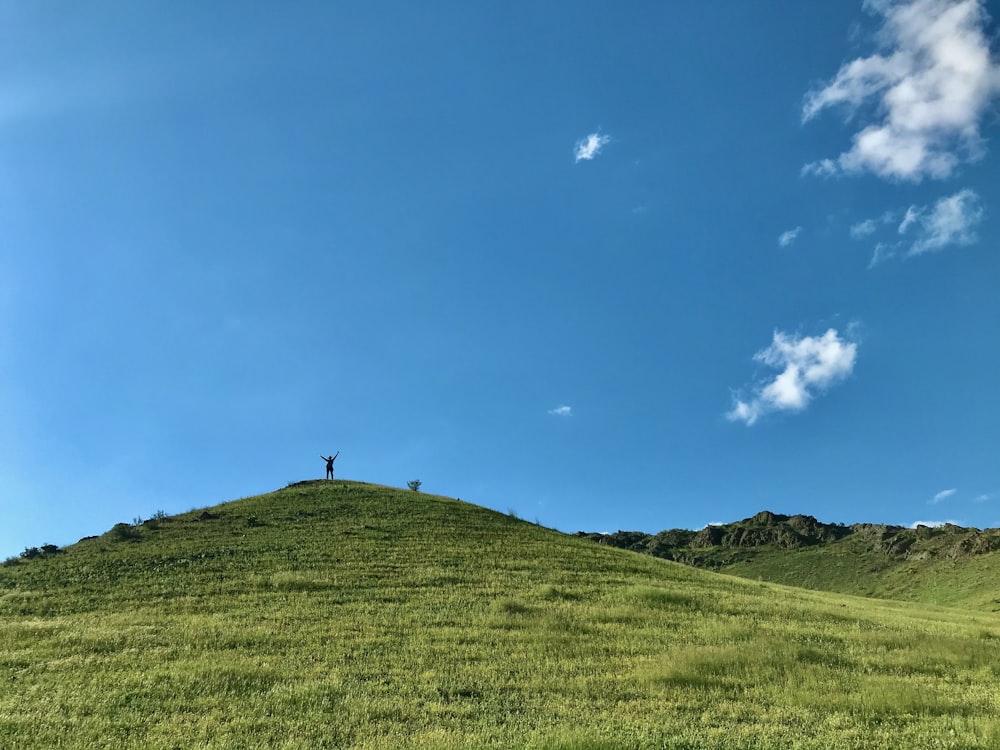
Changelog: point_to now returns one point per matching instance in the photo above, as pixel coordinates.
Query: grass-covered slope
(969, 581)
(344, 615)
(948, 565)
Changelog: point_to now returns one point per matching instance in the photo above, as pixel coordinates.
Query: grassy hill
(347, 615)
(947, 565)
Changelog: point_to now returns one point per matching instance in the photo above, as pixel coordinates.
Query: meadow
(966, 581)
(347, 615)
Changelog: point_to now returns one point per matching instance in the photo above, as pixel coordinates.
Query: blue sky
(633, 267)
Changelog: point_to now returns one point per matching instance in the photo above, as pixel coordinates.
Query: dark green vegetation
(947, 565)
(345, 615)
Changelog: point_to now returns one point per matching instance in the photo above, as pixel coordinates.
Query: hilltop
(347, 615)
(945, 564)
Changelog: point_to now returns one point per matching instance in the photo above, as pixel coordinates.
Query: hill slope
(339, 614)
(947, 565)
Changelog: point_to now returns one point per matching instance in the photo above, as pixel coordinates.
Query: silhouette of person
(329, 463)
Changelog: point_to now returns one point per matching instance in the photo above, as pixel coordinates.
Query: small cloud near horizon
(942, 495)
(809, 365)
(934, 524)
(590, 146)
(788, 237)
(562, 411)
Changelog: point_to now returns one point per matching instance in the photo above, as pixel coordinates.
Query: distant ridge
(867, 559)
(718, 545)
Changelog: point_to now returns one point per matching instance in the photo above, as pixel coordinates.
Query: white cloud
(808, 365)
(942, 495)
(562, 411)
(884, 251)
(869, 226)
(788, 237)
(863, 229)
(821, 168)
(590, 146)
(912, 213)
(933, 524)
(933, 82)
(950, 221)
(985, 497)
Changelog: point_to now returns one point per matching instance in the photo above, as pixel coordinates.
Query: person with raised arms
(329, 463)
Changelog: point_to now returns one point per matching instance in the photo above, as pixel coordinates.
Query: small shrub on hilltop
(33, 553)
(124, 532)
(414, 485)
(154, 521)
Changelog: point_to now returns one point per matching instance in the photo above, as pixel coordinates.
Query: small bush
(253, 522)
(30, 553)
(154, 521)
(414, 485)
(124, 532)
(50, 549)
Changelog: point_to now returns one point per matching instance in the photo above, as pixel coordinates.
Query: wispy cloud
(590, 146)
(934, 524)
(562, 411)
(942, 495)
(884, 251)
(930, 85)
(821, 168)
(950, 222)
(863, 229)
(868, 227)
(985, 497)
(788, 237)
(808, 365)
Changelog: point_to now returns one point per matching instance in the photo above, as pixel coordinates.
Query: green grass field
(346, 615)
(968, 582)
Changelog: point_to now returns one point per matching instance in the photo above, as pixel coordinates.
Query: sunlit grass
(351, 615)
(851, 567)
